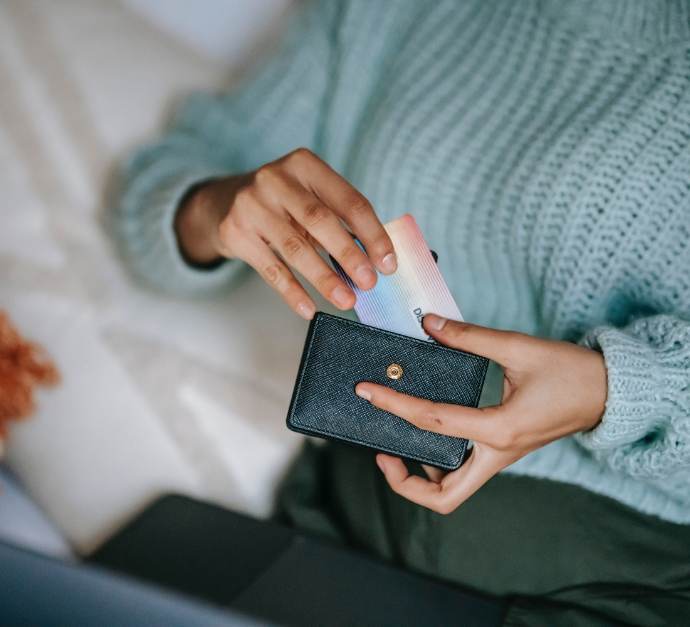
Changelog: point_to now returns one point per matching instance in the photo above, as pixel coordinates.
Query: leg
(553, 544)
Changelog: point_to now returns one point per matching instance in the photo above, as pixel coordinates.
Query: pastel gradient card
(398, 302)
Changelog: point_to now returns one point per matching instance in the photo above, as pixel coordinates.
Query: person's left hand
(551, 389)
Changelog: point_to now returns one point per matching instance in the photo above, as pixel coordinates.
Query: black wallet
(339, 354)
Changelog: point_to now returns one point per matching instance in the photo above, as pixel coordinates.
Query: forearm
(214, 136)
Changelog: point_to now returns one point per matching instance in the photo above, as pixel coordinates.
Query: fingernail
(435, 323)
(381, 465)
(341, 296)
(365, 275)
(390, 263)
(363, 394)
(306, 310)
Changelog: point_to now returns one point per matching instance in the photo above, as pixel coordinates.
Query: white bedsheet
(157, 394)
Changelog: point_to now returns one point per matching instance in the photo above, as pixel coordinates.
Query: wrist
(196, 226)
(597, 390)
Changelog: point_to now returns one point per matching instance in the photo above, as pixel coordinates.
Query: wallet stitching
(333, 434)
(303, 370)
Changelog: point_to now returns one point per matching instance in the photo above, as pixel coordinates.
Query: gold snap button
(394, 371)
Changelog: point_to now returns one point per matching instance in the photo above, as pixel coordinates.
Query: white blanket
(157, 394)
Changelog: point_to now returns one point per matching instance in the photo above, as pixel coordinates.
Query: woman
(543, 147)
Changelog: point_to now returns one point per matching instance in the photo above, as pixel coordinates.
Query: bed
(158, 394)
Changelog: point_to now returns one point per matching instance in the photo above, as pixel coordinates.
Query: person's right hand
(289, 207)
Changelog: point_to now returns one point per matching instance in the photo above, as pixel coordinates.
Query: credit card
(398, 302)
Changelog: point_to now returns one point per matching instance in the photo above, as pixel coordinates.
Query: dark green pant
(567, 556)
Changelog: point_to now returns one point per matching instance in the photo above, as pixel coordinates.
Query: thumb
(490, 343)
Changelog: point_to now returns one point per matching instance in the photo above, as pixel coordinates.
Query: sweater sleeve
(645, 430)
(279, 110)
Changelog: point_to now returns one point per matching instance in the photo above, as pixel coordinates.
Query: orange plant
(23, 366)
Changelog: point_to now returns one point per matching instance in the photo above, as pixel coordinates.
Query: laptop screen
(37, 590)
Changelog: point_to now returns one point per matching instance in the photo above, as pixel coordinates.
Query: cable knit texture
(544, 148)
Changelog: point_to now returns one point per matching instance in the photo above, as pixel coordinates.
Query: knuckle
(244, 197)
(236, 220)
(324, 281)
(265, 175)
(227, 232)
(445, 506)
(352, 252)
(458, 333)
(315, 214)
(300, 154)
(459, 330)
(357, 205)
(294, 245)
(428, 418)
(233, 233)
(440, 500)
(272, 274)
(381, 243)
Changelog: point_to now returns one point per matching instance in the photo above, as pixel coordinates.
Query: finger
(453, 420)
(272, 269)
(349, 204)
(297, 251)
(500, 346)
(325, 227)
(396, 474)
(444, 497)
(434, 474)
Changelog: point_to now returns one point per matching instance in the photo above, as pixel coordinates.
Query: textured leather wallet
(340, 353)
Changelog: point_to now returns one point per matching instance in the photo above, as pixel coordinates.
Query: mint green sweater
(544, 148)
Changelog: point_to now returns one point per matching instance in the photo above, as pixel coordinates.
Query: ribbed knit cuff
(634, 381)
(645, 431)
(147, 236)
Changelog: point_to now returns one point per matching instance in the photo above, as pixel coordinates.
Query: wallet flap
(340, 353)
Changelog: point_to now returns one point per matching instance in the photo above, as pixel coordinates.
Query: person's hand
(289, 208)
(551, 389)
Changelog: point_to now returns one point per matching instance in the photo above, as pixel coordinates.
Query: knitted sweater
(543, 147)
